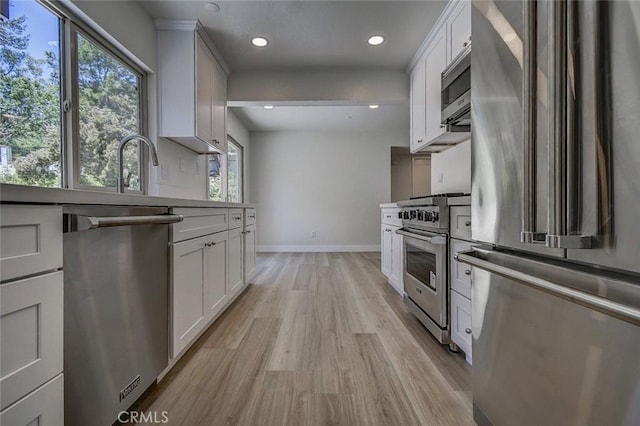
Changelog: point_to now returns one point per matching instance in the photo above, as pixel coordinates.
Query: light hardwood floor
(316, 339)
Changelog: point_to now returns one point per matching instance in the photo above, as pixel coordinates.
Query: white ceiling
(324, 118)
(309, 34)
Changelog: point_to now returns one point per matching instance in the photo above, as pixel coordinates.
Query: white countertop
(388, 205)
(36, 195)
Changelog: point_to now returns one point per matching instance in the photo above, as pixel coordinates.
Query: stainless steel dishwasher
(115, 308)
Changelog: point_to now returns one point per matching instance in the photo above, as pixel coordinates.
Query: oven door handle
(435, 239)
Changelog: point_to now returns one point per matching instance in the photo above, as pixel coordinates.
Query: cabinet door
(461, 322)
(42, 407)
(188, 311)
(216, 256)
(219, 83)
(30, 240)
(387, 242)
(249, 252)
(460, 272)
(204, 91)
(236, 259)
(396, 260)
(459, 29)
(435, 62)
(417, 106)
(31, 342)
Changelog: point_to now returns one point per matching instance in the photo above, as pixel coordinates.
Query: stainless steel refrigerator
(555, 207)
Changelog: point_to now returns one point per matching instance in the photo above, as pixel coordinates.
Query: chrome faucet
(120, 154)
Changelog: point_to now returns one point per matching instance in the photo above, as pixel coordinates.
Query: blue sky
(42, 26)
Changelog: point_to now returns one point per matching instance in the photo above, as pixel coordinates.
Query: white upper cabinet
(459, 29)
(417, 107)
(204, 91)
(192, 88)
(449, 36)
(435, 62)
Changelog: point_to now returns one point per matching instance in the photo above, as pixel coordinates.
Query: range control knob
(421, 215)
(434, 216)
(399, 215)
(413, 214)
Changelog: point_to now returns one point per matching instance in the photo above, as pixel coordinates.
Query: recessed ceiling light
(373, 106)
(376, 40)
(268, 107)
(259, 41)
(212, 7)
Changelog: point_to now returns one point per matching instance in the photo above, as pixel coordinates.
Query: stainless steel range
(425, 227)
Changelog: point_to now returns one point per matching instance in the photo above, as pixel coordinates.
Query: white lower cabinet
(387, 244)
(188, 289)
(216, 259)
(396, 261)
(42, 407)
(461, 323)
(249, 252)
(392, 255)
(31, 334)
(236, 260)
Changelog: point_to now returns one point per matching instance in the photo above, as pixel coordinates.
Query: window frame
(75, 29)
(70, 26)
(240, 149)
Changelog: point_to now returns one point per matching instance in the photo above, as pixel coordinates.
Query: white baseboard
(317, 249)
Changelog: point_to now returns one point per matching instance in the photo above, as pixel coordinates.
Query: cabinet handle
(442, 126)
(467, 223)
(388, 217)
(215, 141)
(253, 216)
(467, 330)
(418, 290)
(419, 140)
(247, 232)
(467, 272)
(209, 244)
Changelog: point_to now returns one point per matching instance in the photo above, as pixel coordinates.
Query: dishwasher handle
(110, 221)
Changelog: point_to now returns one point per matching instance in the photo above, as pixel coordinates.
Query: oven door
(425, 272)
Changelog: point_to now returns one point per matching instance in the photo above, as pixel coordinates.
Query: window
(216, 183)
(101, 91)
(225, 174)
(234, 171)
(30, 112)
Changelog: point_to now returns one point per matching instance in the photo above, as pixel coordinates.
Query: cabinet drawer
(44, 407)
(249, 217)
(460, 272)
(390, 216)
(30, 240)
(461, 222)
(31, 341)
(198, 222)
(235, 218)
(461, 322)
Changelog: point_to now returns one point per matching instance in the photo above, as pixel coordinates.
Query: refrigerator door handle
(529, 118)
(605, 306)
(563, 148)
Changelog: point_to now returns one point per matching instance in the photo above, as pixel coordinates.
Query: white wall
(328, 182)
(451, 169)
(319, 87)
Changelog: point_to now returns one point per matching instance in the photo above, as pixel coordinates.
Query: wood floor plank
(316, 339)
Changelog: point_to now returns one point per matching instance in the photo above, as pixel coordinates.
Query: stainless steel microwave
(456, 93)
